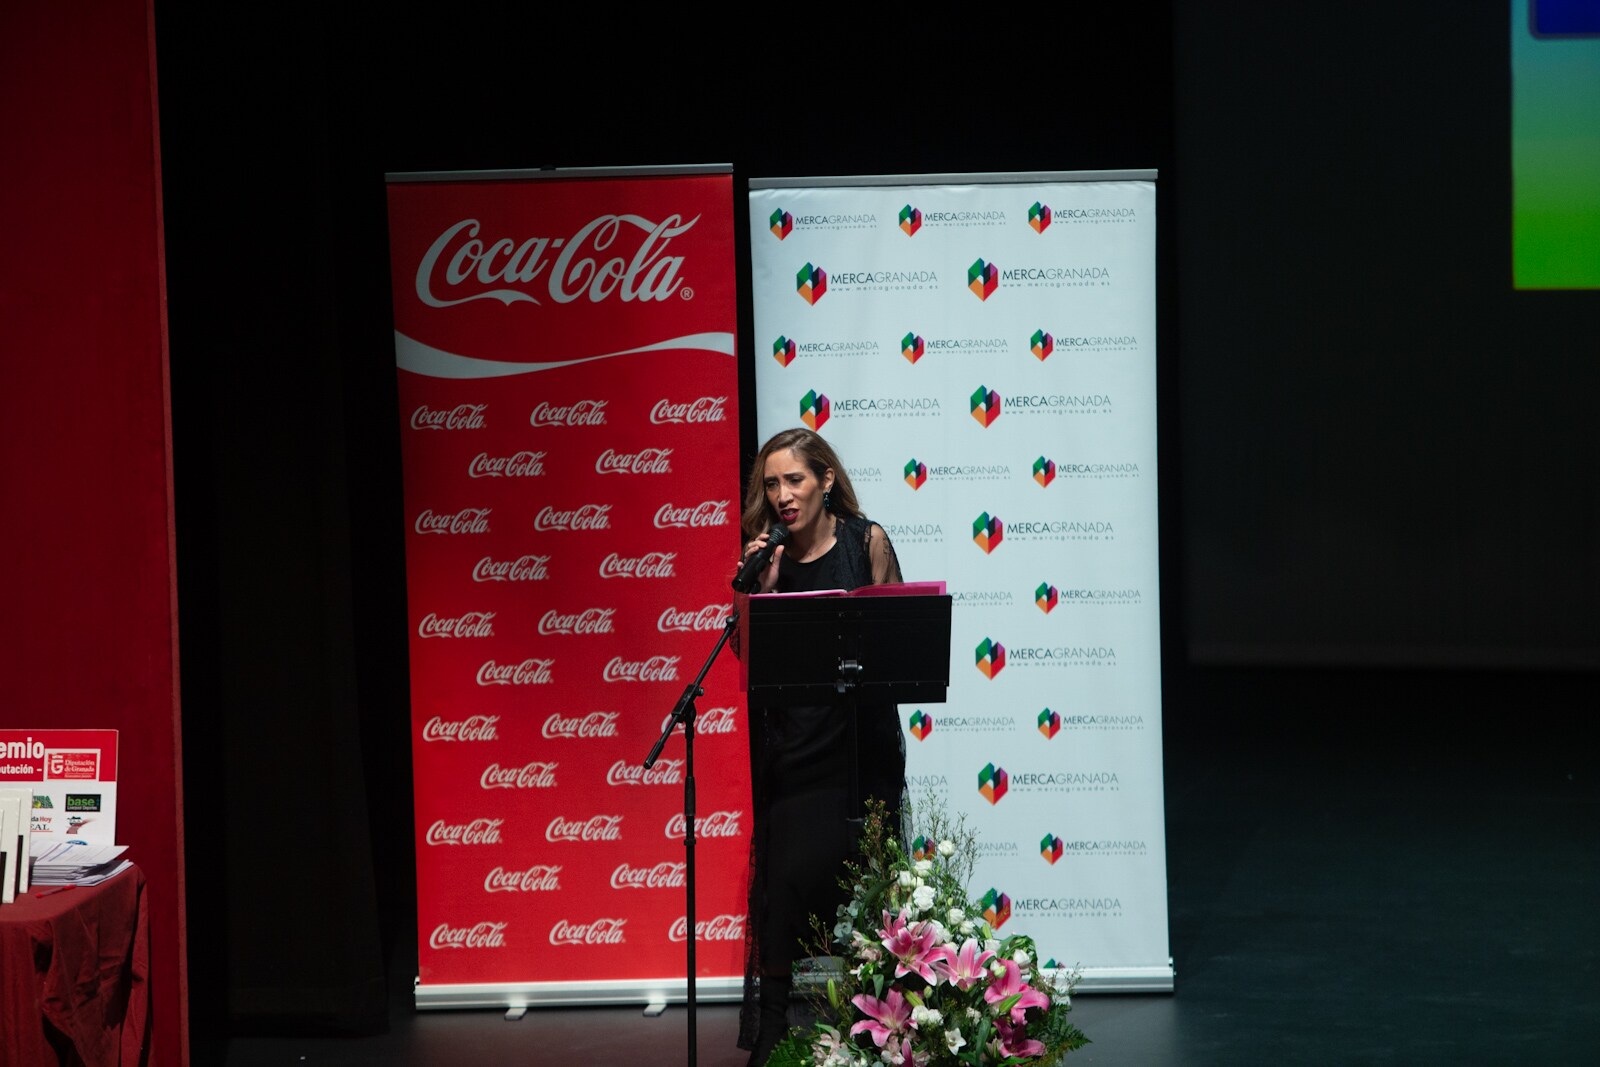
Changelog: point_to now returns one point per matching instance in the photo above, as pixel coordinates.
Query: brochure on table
(73, 776)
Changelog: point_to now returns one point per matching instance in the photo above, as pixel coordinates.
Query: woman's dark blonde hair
(815, 452)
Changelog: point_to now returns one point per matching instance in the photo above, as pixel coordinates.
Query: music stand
(874, 648)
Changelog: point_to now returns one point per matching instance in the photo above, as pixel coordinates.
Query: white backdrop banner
(981, 351)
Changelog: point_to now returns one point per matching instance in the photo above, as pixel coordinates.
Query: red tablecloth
(75, 976)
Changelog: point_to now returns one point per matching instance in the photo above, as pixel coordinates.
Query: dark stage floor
(1392, 869)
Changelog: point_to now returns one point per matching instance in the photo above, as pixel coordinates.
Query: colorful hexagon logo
(811, 282)
(783, 350)
(983, 279)
(814, 409)
(993, 782)
(987, 532)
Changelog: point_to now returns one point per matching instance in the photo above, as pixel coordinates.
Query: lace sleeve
(880, 552)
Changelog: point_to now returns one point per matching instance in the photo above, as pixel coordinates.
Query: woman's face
(794, 492)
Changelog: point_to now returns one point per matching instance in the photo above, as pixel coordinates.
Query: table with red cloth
(75, 975)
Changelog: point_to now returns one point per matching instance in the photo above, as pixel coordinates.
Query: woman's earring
(827, 501)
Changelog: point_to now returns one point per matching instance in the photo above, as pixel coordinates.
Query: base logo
(1046, 597)
(987, 532)
(1039, 217)
(811, 282)
(996, 908)
(912, 347)
(910, 220)
(814, 409)
(1041, 345)
(1050, 848)
(921, 724)
(1044, 471)
(783, 350)
(1049, 723)
(781, 223)
(983, 279)
(993, 783)
(916, 473)
(990, 657)
(985, 405)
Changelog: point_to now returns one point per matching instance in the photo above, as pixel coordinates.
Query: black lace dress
(799, 769)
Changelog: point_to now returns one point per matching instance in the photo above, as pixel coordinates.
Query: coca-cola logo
(594, 724)
(540, 878)
(649, 565)
(710, 721)
(589, 621)
(722, 928)
(710, 617)
(533, 775)
(472, 728)
(460, 417)
(664, 875)
(705, 409)
(472, 624)
(522, 464)
(476, 832)
(528, 672)
(594, 828)
(521, 569)
(483, 935)
(692, 516)
(598, 932)
(645, 461)
(587, 517)
(661, 772)
(582, 413)
(465, 521)
(625, 255)
(654, 669)
(716, 824)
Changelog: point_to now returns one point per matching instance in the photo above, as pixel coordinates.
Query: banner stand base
(512, 995)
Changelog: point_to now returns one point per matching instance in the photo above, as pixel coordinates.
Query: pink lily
(912, 946)
(1014, 1041)
(967, 967)
(889, 1016)
(1010, 983)
(901, 1052)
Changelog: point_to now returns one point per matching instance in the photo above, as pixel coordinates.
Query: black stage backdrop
(1371, 450)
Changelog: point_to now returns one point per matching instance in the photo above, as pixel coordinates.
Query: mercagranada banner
(568, 419)
(981, 351)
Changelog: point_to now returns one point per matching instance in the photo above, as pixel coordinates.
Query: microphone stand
(684, 714)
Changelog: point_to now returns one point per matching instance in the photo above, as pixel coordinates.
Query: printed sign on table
(73, 774)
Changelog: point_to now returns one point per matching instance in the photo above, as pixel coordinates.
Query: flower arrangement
(922, 978)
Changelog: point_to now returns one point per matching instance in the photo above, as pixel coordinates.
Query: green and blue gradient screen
(1555, 144)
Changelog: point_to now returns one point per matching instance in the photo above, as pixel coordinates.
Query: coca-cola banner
(982, 351)
(569, 426)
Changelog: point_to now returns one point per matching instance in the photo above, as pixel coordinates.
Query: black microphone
(750, 574)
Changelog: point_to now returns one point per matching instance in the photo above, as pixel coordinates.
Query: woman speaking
(799, 766)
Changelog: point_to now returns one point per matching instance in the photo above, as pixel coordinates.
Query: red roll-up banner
(569, 424)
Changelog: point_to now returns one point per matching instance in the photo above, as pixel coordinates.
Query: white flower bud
(947, 848)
